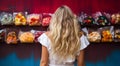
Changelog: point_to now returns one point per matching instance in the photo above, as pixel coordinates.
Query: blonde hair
(65, 33)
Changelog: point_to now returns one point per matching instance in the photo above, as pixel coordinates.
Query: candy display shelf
(97, 26)
(105, 42)
(44, 28)
(18, 43)
(106, 32)
(23, 28)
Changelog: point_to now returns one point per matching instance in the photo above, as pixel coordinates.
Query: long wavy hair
(65, 33)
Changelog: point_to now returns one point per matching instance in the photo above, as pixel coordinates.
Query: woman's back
(64, 42)
(44, 39)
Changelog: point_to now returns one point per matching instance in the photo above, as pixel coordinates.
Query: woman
(63, 44)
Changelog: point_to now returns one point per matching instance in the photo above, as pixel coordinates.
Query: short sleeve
(43, 40)
(84, 42)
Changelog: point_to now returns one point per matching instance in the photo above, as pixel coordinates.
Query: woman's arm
(80, 59)
(44, 57)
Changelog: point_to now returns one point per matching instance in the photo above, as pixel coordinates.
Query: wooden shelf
(26, 27)
(97, 26)
(105, 42)
(18, 43)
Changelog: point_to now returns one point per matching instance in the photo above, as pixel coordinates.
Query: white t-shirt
(45, 41)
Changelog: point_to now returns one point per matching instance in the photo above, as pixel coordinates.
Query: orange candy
(107, 36)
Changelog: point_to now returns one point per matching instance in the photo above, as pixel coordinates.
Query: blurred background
(96, 54)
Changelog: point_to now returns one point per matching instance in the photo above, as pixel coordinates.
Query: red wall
(40, 6)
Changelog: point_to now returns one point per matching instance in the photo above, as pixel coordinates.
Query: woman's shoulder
(84, 42)
(44, 40)
(47, 33)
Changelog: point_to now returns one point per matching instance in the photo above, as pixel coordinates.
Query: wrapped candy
(20, 18)
(115, 18)
(86, 19)
(26, 37)
(46, 19)
(94, 36)
(37, 34)
(34, 19)
(6, 18)
(81, 17)
(89, 20)
(2, 35)
(11, 37)
(117, 35)
(107, 34)
(101, 18)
